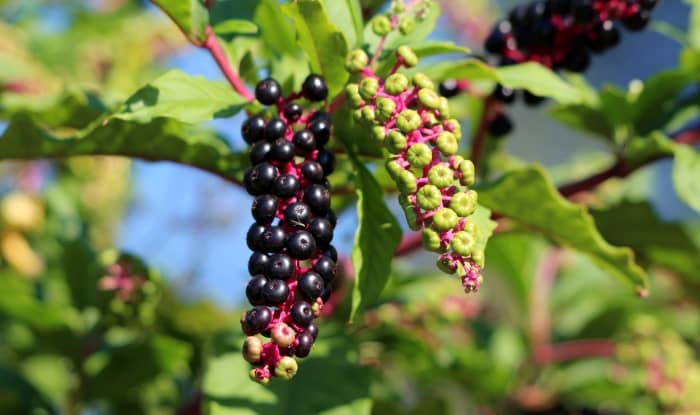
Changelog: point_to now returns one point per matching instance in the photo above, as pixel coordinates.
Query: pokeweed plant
(349, 103)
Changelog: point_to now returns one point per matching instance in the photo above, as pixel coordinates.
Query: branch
(213, 46)
(573, 350)
(481, 132)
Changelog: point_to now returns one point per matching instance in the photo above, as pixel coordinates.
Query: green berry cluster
(400, 16)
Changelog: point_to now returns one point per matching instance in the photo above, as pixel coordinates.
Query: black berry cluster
(559, 34)
(293, 262)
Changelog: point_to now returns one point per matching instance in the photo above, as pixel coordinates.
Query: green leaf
(189, 15)
(159, 140)
(539, 80)
(658, 98)
(324, 44)
(329, 382)
(277, 29)
(425, 49)
(236, 26)
(485, 227)
(584, 118)
(686, 171)
(694, 25)
(472, 69)
(347, 15)
(186, 98)
(529, 197)
(377, 237)
(641, 150)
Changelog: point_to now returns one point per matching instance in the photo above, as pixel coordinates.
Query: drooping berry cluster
(293, 264)
(411, 121)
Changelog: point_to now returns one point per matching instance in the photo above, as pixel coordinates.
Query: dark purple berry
(314, 88)
(313, 171)
(254, 289)
(332, 218)
(327, 161)
(449, 88)
(275, 292)
(318, 198)
(254, 237)
(259, 152)
(282, 151)
(302, 314)
(257, 263)
(532, 99)
(285, 186)
(578, 60)
(268, 91)
(648, 4)
(258, 179)
(264, 209)
(304, 343)
(500, 126)
(326, 295)
(496, 41)
(503, 94)
(275, 129)
(310, 286)
(297, 215)
(331, 253)
(256, 320)
(637, 21)
(280, 267)
(321, 115)
(326, 268)
(273, 239)
(562, 7)
(321, 129)
(301, 245)
(292, 111)
(253, 129)
(583, 11)
(605, 36)
(304, 141)
(322, 231)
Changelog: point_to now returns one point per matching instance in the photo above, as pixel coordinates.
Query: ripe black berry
(302, 314)
(312, 171)
(254, 289)
(648, 4)
(258, 179)
(268, 91)
(583, 11)
(605, 36)
(273, 239)
(321, 129)
(326, 268)
(304, 141)
(304, 343)
(260, 152)
(327, 161)
(280, 267)
(275, 129)
(264, 209)
(532, 99)
(331, 253)
(257, 263)
(312, 329)
(332, 218)
(310, 286)
(500, 126)
(282, 151)
(449, 88)
(314, 88)
(318, 115)
(496, 40)
(254, 237)
(637, 21)
(503, 94)
(317, 197)
(285, 186)
(578, 60)
(327, 293)
(257, 319)
(301, 245)
(275, 292)
(297, 215)
(322, 231)
(292, 111)
(253, 129)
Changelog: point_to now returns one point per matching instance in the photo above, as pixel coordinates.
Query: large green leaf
(347, 15)
(186, 98)
(426, 49)
(329, 382)
(325, 45)
(529, 197)
(378, 234)
(158, 140)
(189, 15)
(584, 118)
(686, 171)
(658, 99)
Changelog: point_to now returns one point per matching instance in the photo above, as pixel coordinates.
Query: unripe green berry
(395, 142)
(411, 218)
(406, 182)
(405, 202)
(431, 240)
(379, 133)
(441, 176)
(471, 228)
(381, 25)
(463, 243)
(408, 121)
(445, 219)
(419, 155)
(430, 120)
(395, 84)
(454, 126)
(478, 258)
(369, 88)
(252, 348)
(397, 7)
(406, 25)
(385, 108)
(357, 115)
(444, 108)
(447, 143)
(408, 55)
(353, 93)
(394, 169)
(253, 376)
(429, 98)
(429, 197)
(356, 60)
(422, 80)
(445, 266)
(466, 168)
(464, 203)
(368, 115)
(286, 368)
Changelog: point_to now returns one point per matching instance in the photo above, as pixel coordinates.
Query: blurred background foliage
(121, 282)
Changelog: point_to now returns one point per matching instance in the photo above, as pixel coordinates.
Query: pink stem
(213, 46)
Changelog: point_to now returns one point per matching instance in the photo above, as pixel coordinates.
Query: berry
(259, 178)
(253, 129)
(302, 314)
(254, 237)
(264, 209)
(500, 125)
(605, 36)
(292, 111)
(327, 161)
(637, 21)
(301, 245)
(257, 263)
(282, 151)
(583, 11)
(314, 88)
(310, 286)
(268, 91)
(326, 268)
(321, 129)
(449, 88)
(312, 329)
(252, 349)
(280, 267)
(503, 94)
(285, 186)
(260, 152)
(304, 141)
(313, 171)
(318, 198)
(297, 215)
(275, 292)
(322, 231)
(286, 368)
(532, 99)
(331, 253)
(272, 240)
(305, 341)
(256, 320)
(578, 60)
(254, 290)
(275, 129)
(282, 335)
